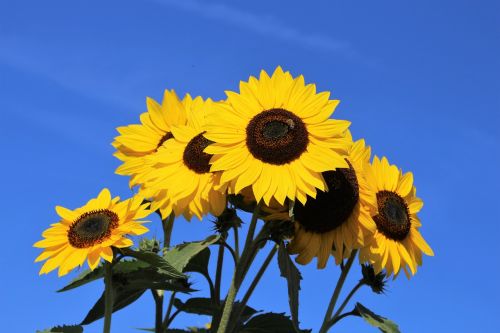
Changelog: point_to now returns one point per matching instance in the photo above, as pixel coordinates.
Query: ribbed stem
(336, 292)
(228, 307)
(256, 281)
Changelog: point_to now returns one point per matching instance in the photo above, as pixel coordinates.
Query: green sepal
(382, 323)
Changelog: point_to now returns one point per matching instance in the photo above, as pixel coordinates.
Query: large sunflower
(276, 136)
(180, 180)
(337, 221)
(140, 140)
(397, 243)
(89, 232)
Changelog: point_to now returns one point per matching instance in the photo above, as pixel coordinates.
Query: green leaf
(63, 329)
(98, 273)
(155, 261)
(205, 306)
(269, 323)
(383, 324)
(292, 275)
(84, 278)
(123, 297)
(199, 263)
(150, 278)
(180, 255)
(197, 305)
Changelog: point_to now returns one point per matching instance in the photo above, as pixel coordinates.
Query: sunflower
(276, 136)
(397, 243)
(180, 180)
(337, 221)
(89, 232)
(135, 142)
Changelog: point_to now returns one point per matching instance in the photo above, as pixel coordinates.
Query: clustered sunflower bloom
(273, 141)
(90, 232)
(271, 148)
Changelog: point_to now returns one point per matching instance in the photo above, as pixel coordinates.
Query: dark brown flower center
(276, 136)
(194, 156)
(393, 219)
(92, 228)
(164, 138)
(330, 209)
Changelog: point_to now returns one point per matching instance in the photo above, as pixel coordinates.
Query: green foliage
(63, 329)
(87, 276)
(122, 298)
(162, 265)
(269, 323)
(180, 255)
(206, 306)
(199, 263)
(84, 278)
(383, 324)
(292, 275)
(130, 280)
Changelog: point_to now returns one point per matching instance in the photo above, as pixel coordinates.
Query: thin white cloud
(264, 25)
(65, 70)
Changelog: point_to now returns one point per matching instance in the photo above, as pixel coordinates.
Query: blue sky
(419, 81)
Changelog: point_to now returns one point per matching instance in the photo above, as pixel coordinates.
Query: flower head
(90, 232)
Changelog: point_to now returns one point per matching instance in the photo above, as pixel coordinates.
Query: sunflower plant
(272, 149)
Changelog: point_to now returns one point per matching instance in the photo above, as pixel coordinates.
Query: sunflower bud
(227, 220)
(280, 230)
(151, 245)
(375, 281)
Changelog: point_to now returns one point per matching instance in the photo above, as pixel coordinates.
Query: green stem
(171, 319)
(230, 249)
(346, 301)
(218, 273)
(258, 276)
(168, 226)
(236, 244)
(251, 228)
(239, 272)
(108, 296)
(210, 285)
(336, 292)
(255, 281)
(228, 306)
(342, 316)
(159, 311)
(167, 320)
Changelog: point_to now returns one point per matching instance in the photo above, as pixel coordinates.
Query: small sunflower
(397, 243)
(180, 179)
(89, 232)
(138, 141)
(276, 136)
(337, 221)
